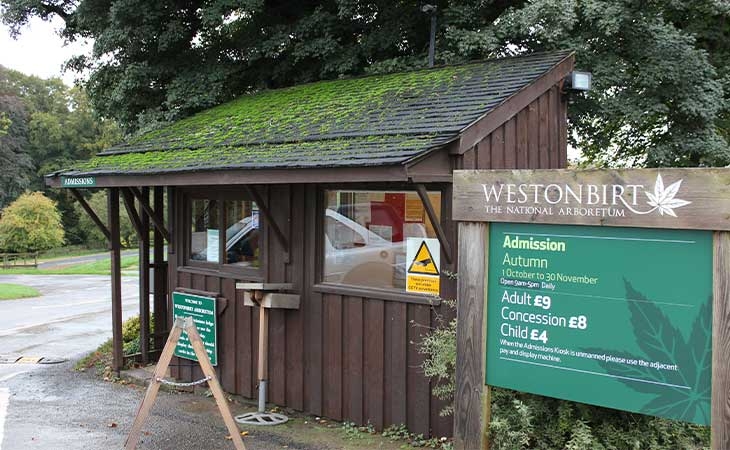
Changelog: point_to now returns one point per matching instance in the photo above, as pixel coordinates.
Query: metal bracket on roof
(445, 245)
(269, 219)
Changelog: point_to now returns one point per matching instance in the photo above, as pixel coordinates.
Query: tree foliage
(90, 233)
(49, 125)
(661, 73)
(31, 223)
(60, 124)
(4, 123)
(16, 163)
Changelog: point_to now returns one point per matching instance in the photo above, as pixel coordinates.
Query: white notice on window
(212, 247)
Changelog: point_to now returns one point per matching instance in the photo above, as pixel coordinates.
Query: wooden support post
(435, 222)
(145, 407)
(131, 211)
(144, 281)
(160, 272)
(116, 273)
(263, 360)
(721, 342)
(471, 400)
(263, 207)
(145, 204)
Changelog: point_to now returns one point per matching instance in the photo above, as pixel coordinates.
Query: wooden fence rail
(11, 260)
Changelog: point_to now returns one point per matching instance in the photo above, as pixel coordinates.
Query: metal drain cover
(261, 418)
(29, 360)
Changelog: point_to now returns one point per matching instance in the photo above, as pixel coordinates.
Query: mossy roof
(367, 121)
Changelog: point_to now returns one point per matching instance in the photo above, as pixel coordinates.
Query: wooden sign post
(572, 282)
(183, 324)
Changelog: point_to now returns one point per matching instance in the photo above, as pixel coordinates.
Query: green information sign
(76, 182)
(615, 317)
(203, 312)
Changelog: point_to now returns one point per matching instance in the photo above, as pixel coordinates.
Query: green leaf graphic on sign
(682, 392)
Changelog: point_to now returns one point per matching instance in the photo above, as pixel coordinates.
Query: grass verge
(13, 291)
(102, 267)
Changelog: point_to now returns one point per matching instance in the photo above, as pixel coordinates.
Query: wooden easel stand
(143, 411)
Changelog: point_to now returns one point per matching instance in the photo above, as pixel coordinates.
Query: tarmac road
(63, 262)
(71, 318)
(52, 406)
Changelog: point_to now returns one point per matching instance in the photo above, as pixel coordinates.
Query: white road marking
(68, 305)
(4, 397)
(6, 378)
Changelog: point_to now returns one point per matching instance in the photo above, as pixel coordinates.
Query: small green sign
(203, 312)
(76, 182)
(615, 317)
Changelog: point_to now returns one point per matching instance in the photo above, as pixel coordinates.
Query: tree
(661, 69)
(56, 126)
(29, 224)
(90, 233)
(4, 123)
(14, 158)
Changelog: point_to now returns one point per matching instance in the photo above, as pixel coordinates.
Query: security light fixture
(579, 81)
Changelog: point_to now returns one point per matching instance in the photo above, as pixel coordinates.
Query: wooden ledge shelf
(274, 300)
(267, 295)
(264, 286)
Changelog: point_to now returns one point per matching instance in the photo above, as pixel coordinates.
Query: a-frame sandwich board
(183, 324)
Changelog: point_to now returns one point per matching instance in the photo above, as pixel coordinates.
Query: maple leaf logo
(683, 394)
(663, 198)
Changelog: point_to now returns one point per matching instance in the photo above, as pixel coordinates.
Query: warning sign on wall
(423, 262)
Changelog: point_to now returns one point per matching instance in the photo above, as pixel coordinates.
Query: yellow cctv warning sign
(423, 263)
(424, 260)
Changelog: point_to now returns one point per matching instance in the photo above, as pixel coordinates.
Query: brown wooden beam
(269, 217)
(720, 340)
(132, 211)
(160, 270)
(144, 279)
(116, 272)
(94, 218)
(471, 399)
(393, 173)
(489, 122)
(436, 222)
(155, 219)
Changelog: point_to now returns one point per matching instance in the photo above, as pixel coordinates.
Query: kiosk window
(365, 235)
(225, 232)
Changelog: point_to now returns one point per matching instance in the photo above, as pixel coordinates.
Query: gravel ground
(55, 407)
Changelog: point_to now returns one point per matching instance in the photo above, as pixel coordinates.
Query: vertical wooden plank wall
(534, 138)
(342, 357)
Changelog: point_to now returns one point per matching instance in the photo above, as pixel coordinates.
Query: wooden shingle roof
(367, 121)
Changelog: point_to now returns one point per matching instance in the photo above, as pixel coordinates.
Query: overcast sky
(39, 50)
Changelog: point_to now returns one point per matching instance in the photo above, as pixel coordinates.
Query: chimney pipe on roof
(431, 9)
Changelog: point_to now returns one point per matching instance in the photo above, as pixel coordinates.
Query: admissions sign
(203, 312)
(652, 198)
(608, 287)
(615, 317)
(77, 182)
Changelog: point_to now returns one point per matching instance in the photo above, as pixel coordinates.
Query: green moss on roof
(385, 119)
(341, 152)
